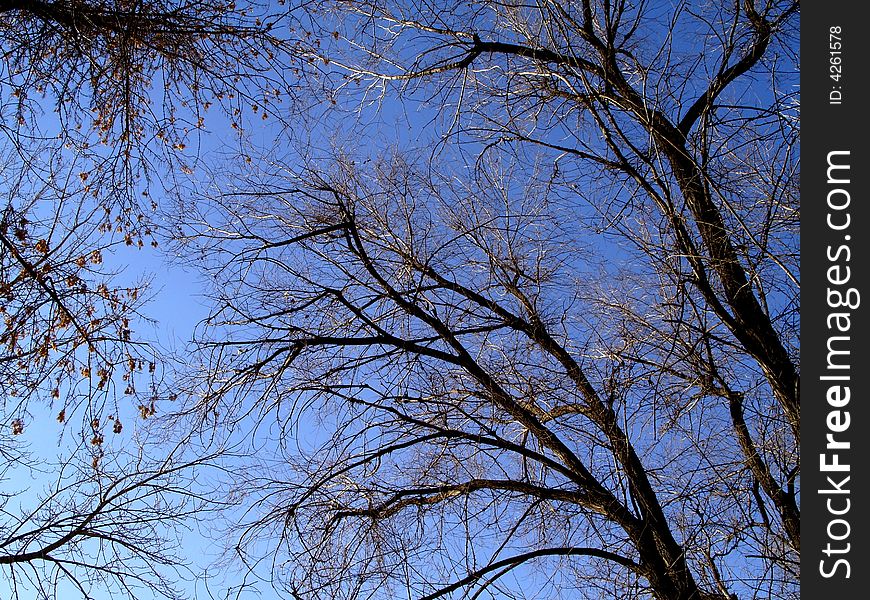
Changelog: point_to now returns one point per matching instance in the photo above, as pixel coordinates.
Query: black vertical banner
(835, 341)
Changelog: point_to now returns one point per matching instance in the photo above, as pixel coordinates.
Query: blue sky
(178, 305)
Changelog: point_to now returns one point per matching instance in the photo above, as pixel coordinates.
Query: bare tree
(126, 86)
(554, 357)
(67, 321)
(101, 527)
(98, 100)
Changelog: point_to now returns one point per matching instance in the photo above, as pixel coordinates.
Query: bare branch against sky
(504, 295)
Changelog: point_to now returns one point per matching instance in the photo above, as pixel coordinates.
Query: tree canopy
(505, 305)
